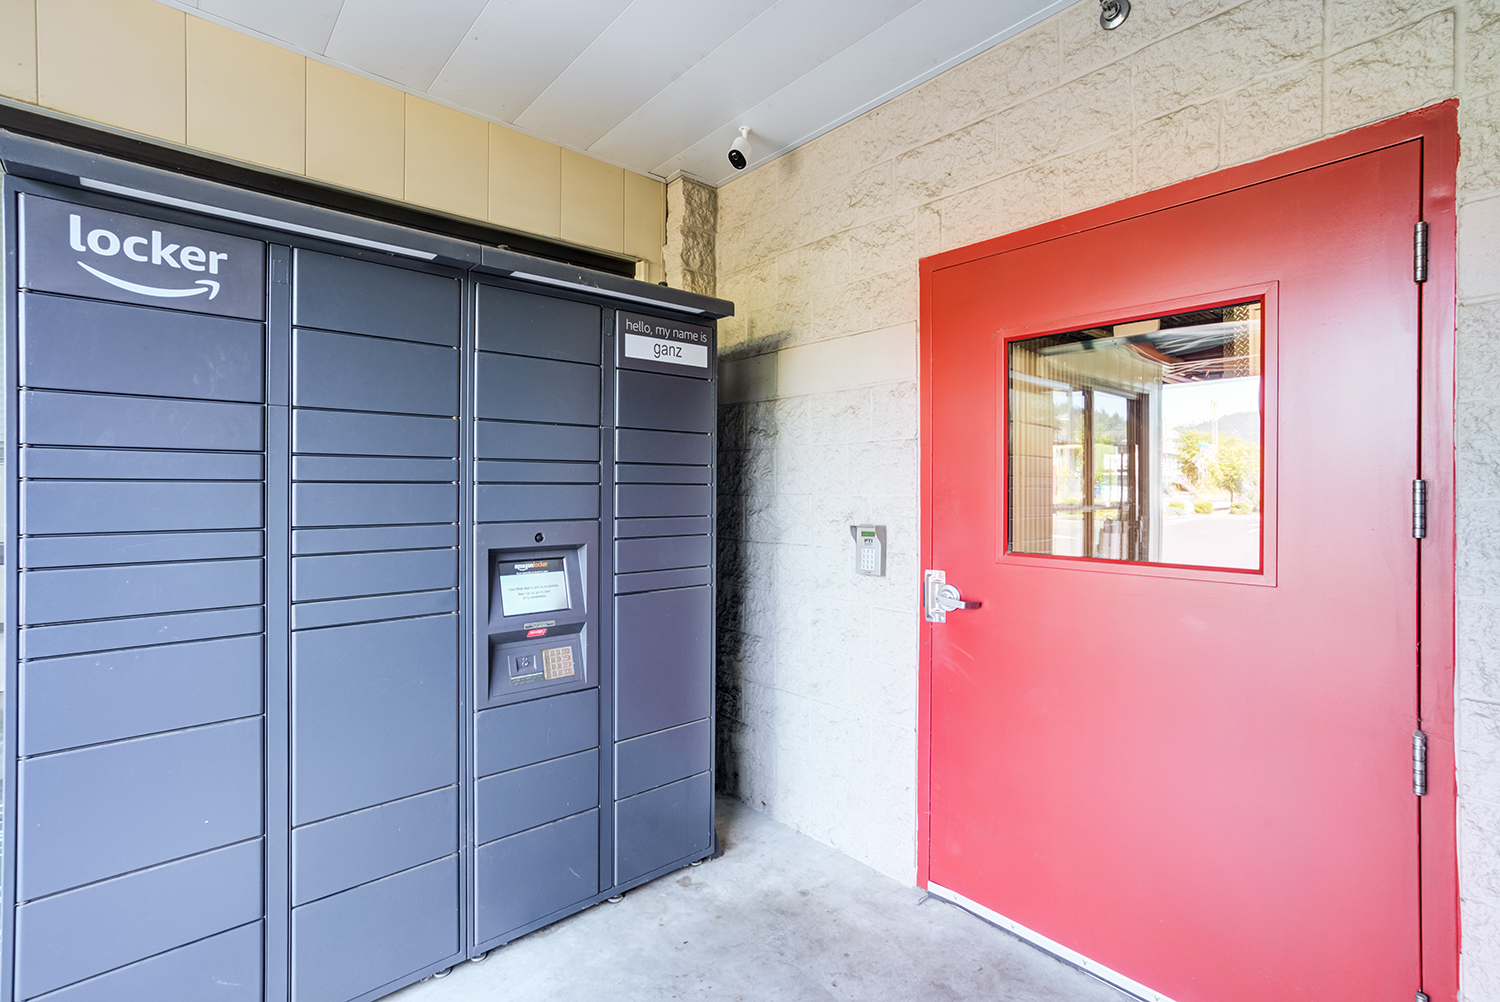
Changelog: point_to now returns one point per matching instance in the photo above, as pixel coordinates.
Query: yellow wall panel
(246, 98)
(447, 159)
(525, 182)
(645, 220)
(18, 49)
(147, 68)
(593, 202)
(118, 62)
(356, 131)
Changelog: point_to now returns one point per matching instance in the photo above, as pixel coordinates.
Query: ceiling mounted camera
(739, 150)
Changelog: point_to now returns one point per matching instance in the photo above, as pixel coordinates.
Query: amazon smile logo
(147, 250)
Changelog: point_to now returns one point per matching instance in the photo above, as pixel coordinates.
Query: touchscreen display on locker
(533, 586)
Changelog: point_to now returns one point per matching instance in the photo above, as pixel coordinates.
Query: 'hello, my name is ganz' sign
(670, 342)
(82, 251)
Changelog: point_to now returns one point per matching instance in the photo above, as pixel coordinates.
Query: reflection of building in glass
(1137, 441)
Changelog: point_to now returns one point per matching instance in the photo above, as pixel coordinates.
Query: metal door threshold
(1072, 958)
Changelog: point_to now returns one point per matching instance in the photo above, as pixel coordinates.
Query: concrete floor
(780, 917)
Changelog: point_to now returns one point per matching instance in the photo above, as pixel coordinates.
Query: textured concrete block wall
(819, 250)
(692, 224)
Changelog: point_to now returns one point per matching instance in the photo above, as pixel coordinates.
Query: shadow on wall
(747, 442)
(733, 596)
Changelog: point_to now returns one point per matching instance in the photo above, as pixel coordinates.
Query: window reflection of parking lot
(1214, 540)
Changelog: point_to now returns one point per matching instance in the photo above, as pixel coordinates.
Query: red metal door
(1200, 779)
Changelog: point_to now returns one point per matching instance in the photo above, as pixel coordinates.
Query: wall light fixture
(1112, 13)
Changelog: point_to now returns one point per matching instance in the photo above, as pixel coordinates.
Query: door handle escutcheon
(940, 598)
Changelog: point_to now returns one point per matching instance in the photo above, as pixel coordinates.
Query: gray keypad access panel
(360, 604)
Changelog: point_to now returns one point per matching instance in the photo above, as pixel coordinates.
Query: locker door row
(135, 840)
(364, 610)
(375, 819)
(536, 738)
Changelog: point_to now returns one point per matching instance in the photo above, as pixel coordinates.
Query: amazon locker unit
(361, 591)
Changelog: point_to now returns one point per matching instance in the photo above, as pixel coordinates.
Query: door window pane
(1140, 441)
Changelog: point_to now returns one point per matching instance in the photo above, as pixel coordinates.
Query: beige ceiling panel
(645, 217)
(247, 99)
(18, 49)
(118, 62)
(356, 131)
(593, 202)
(525, 182)
(447, 159)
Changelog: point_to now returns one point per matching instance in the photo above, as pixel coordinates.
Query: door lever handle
(940, 598)
(949, 598)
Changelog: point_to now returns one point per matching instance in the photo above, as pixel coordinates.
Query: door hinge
(1419, 252)
(1423, 997)
(1419, 763)
(1419, 509)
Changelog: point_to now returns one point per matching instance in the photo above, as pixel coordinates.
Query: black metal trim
(626, 295)
(76, 134)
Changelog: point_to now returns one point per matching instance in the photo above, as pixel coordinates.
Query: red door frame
(1436, 127)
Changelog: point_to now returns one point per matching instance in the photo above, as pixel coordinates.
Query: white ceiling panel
(408, 41)
(650, 44)
(516, 49)
(887, 62)
(300, 24)
(657, 86)
(789, 40)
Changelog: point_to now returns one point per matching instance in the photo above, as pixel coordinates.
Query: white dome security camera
(739, 150)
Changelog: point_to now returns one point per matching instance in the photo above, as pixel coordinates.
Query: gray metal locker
(329, 555)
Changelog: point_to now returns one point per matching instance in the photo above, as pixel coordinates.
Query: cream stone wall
(692, 224)
(819, 251)
(150, 69)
